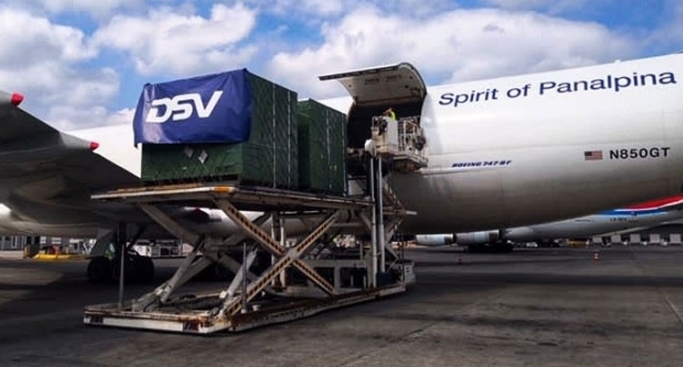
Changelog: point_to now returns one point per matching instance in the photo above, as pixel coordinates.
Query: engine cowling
(476, 238)
(434, 239)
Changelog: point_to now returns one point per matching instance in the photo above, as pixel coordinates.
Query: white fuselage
(520, 150)
(523, 160)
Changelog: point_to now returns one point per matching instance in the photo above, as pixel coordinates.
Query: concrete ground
(11, 255)
(533, 307)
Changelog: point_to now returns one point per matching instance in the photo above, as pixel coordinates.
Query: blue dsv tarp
(207, 109)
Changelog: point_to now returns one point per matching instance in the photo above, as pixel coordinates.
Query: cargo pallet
(258, 299)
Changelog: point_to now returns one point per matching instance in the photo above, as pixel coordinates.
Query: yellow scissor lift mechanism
(252, 300)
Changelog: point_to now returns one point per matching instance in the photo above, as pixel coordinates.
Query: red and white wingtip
(94, 145)
(16, 99)
(657, 204)
(10, 99)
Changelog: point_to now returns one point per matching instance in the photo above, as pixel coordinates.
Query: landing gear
(145, 268)
(105, 263)
(139, 269)
(99, 270)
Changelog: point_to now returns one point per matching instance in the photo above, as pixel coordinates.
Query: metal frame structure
(326, 278)
(255, 299)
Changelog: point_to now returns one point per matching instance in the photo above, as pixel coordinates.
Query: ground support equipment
(306, 272)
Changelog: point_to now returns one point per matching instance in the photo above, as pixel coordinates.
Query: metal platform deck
(208, 321)
(243, 197)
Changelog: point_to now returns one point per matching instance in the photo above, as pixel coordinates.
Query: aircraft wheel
(144, 268)
(131, 274)
(504, 247)
(477, 248)
(99, 270)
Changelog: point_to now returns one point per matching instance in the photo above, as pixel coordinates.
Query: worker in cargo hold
(390, 113)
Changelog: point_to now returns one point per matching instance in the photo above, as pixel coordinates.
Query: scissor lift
(255, 299)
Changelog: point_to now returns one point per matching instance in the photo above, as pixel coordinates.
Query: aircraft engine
(476, 238)
(434, 239)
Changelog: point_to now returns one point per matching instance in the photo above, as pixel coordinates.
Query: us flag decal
(593, 155)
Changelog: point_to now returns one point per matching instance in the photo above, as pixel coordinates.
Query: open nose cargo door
(374, 90)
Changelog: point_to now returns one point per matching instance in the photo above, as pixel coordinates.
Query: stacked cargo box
(267, 158)
(322, 148)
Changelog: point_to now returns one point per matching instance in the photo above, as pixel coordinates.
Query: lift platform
(402, 141)
(306, 274)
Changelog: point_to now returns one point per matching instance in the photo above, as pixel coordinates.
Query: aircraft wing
(673, 203)
(676, 203)
(40, 164)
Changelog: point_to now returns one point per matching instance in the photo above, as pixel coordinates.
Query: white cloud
(22, 32)
(169, 42)
(43, 60)
(457, 45)
(59, 68)
(300, 7)
(414, 8)
(332, 8)
(94, 8)
(70, 118)
(552, 6)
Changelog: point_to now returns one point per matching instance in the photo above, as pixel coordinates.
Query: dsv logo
(181, 107)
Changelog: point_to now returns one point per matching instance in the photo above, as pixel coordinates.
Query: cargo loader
(304, 272)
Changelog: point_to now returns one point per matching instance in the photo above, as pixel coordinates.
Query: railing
(410, 135)
(403, 141)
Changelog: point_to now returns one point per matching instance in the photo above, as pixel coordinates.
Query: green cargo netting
(322, 148)
(268, 158)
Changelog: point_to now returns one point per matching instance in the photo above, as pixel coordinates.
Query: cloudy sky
(82, 63)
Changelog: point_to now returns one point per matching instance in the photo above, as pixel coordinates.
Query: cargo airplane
(502, 152)
(632, 218)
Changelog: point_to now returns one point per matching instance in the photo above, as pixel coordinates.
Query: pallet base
(205, 322)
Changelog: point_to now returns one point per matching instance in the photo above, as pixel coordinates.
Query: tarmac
(11, 255)
(532, 307)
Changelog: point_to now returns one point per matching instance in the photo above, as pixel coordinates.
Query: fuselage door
(384, 85)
